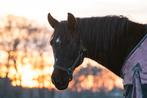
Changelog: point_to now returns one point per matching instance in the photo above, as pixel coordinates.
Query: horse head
(67, 48)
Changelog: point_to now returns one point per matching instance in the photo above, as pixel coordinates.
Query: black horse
(107, 40)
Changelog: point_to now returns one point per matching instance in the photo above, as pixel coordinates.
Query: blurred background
(26, 56)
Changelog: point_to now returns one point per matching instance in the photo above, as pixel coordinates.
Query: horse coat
(134, 70)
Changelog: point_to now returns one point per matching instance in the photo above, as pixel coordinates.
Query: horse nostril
(53, 79)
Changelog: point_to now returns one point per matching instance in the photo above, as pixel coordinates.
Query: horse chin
(61, 87)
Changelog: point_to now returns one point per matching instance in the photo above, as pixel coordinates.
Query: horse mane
(103, 32)
(109, 39)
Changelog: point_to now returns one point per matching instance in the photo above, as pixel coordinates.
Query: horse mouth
(61, 87)
(60, 83)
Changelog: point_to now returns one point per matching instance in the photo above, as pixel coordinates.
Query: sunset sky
(38, 9)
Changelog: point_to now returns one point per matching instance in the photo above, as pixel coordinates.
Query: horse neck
(113, 56)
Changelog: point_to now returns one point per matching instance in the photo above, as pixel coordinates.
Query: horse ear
(53, 22)
(71, 22)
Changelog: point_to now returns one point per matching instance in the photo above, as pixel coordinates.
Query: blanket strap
(137, 90)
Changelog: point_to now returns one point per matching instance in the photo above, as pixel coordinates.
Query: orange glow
(26, 74)
(104, 79)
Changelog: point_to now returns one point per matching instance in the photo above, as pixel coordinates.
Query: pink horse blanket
(134, 69)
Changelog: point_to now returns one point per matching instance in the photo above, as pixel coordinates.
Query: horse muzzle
(60, 79)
